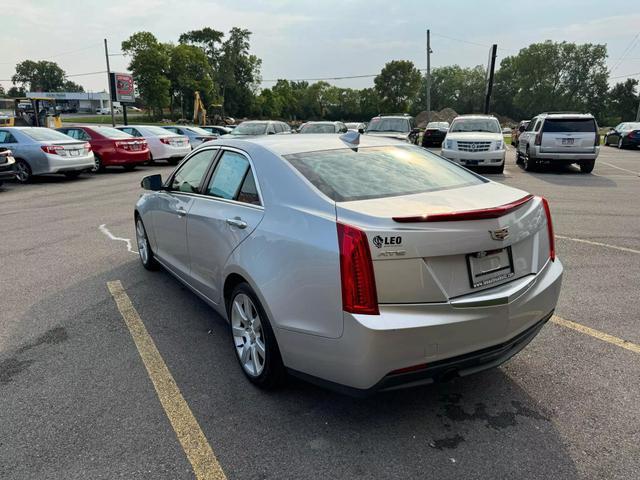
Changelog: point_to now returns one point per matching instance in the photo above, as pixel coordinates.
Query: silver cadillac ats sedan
(360, 263)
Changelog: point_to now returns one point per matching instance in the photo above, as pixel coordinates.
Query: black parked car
(434, 134)
(624, 135)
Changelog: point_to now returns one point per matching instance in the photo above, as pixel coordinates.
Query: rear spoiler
(480, 214)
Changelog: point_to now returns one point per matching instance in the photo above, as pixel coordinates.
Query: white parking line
(103, 228)
(599, 244)
(620, 168)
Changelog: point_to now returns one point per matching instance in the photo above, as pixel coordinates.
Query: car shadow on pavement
(482, 426)
(567, 175)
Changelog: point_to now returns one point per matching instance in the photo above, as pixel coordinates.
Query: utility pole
(638, 112)
(106, 54)
(491, 66)
(428, 75)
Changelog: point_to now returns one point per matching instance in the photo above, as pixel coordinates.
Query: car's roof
(475, 116)
(322, 122)
(565, 115)
(290, 144)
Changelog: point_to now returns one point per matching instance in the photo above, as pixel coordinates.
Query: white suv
(560, 138)
(475, 140)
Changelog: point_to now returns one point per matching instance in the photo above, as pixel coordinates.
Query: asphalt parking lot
(77, 400)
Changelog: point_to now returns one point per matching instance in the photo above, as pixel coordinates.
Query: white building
(76, 101)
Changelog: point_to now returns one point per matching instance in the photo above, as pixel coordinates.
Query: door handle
(237, 222)
(181, 212)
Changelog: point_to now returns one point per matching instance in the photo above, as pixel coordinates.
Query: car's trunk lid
(568, 135)
(418, 261)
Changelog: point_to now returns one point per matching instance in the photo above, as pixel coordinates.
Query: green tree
(239, 72)
(397, 85)
(551, 76)
(150, 65)
(623, 102)
(454, 87)
(189, 72)
(15, 92)
(41, 76)
(70, 86)
(2, 92)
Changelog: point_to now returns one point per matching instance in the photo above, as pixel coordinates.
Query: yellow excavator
(199, 112)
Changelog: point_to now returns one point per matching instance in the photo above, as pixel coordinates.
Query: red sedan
(111, 146)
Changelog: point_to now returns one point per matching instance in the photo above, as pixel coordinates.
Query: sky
(314, 39)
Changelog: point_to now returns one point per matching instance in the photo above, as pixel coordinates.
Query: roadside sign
(122, 88)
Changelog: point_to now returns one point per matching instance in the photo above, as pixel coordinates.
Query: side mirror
(361, 131)
(152, 182)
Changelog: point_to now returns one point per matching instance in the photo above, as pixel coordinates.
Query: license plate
(470, 162)
(567, 141)
(136, 146)
(74, 153)
(489, 267)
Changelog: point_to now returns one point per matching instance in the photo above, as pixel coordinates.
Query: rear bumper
(459, 337)
(562, 156)
(69, 164)
(495, 157)
(125, 158)
(174, 152)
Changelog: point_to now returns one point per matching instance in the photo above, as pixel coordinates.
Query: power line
(623, 76)
(625, 53)
(61, 54)
(345, 77)
(470, 43)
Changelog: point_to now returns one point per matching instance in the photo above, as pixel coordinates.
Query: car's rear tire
(24, 173)
(530, 164)
(97, 164)
(253, 339)
(147, 257)
(586, 166)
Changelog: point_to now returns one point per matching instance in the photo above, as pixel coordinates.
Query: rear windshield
(376, 172)
(199, 131)
(157, 131)
(318, 128)
(253, 128)
(574, 125)
(112, 132)
(40, 134)
(388, 125)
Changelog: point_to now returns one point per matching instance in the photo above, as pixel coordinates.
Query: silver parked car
(358, 262)
(323, 127)
(196, 135)
(40, 150)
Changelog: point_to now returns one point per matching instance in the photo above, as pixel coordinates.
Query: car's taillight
(597, 140)
(165, 140)
(538, 140)
(52, 149)
(87, 147)
(552, 238)
(123, 145)
(356, 272)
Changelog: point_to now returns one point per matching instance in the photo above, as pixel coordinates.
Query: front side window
(318, 128)
(228, 176)
(190, 176)
(377, 172)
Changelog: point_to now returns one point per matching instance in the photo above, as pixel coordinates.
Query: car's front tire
(147, 257)
(253, 339)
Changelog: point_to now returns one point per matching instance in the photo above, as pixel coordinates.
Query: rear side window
(376, 172)
(6, 137)
(77, 133)
(569, 125)
(228, 176)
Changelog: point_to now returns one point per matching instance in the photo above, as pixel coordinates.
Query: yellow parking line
(194, 443)
(605, 337)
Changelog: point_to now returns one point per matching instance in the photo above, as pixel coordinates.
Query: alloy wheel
(141, 238)
(97, 165)
(248, 335)
(23, 172)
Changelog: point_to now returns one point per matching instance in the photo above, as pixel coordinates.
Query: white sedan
(163, 144)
